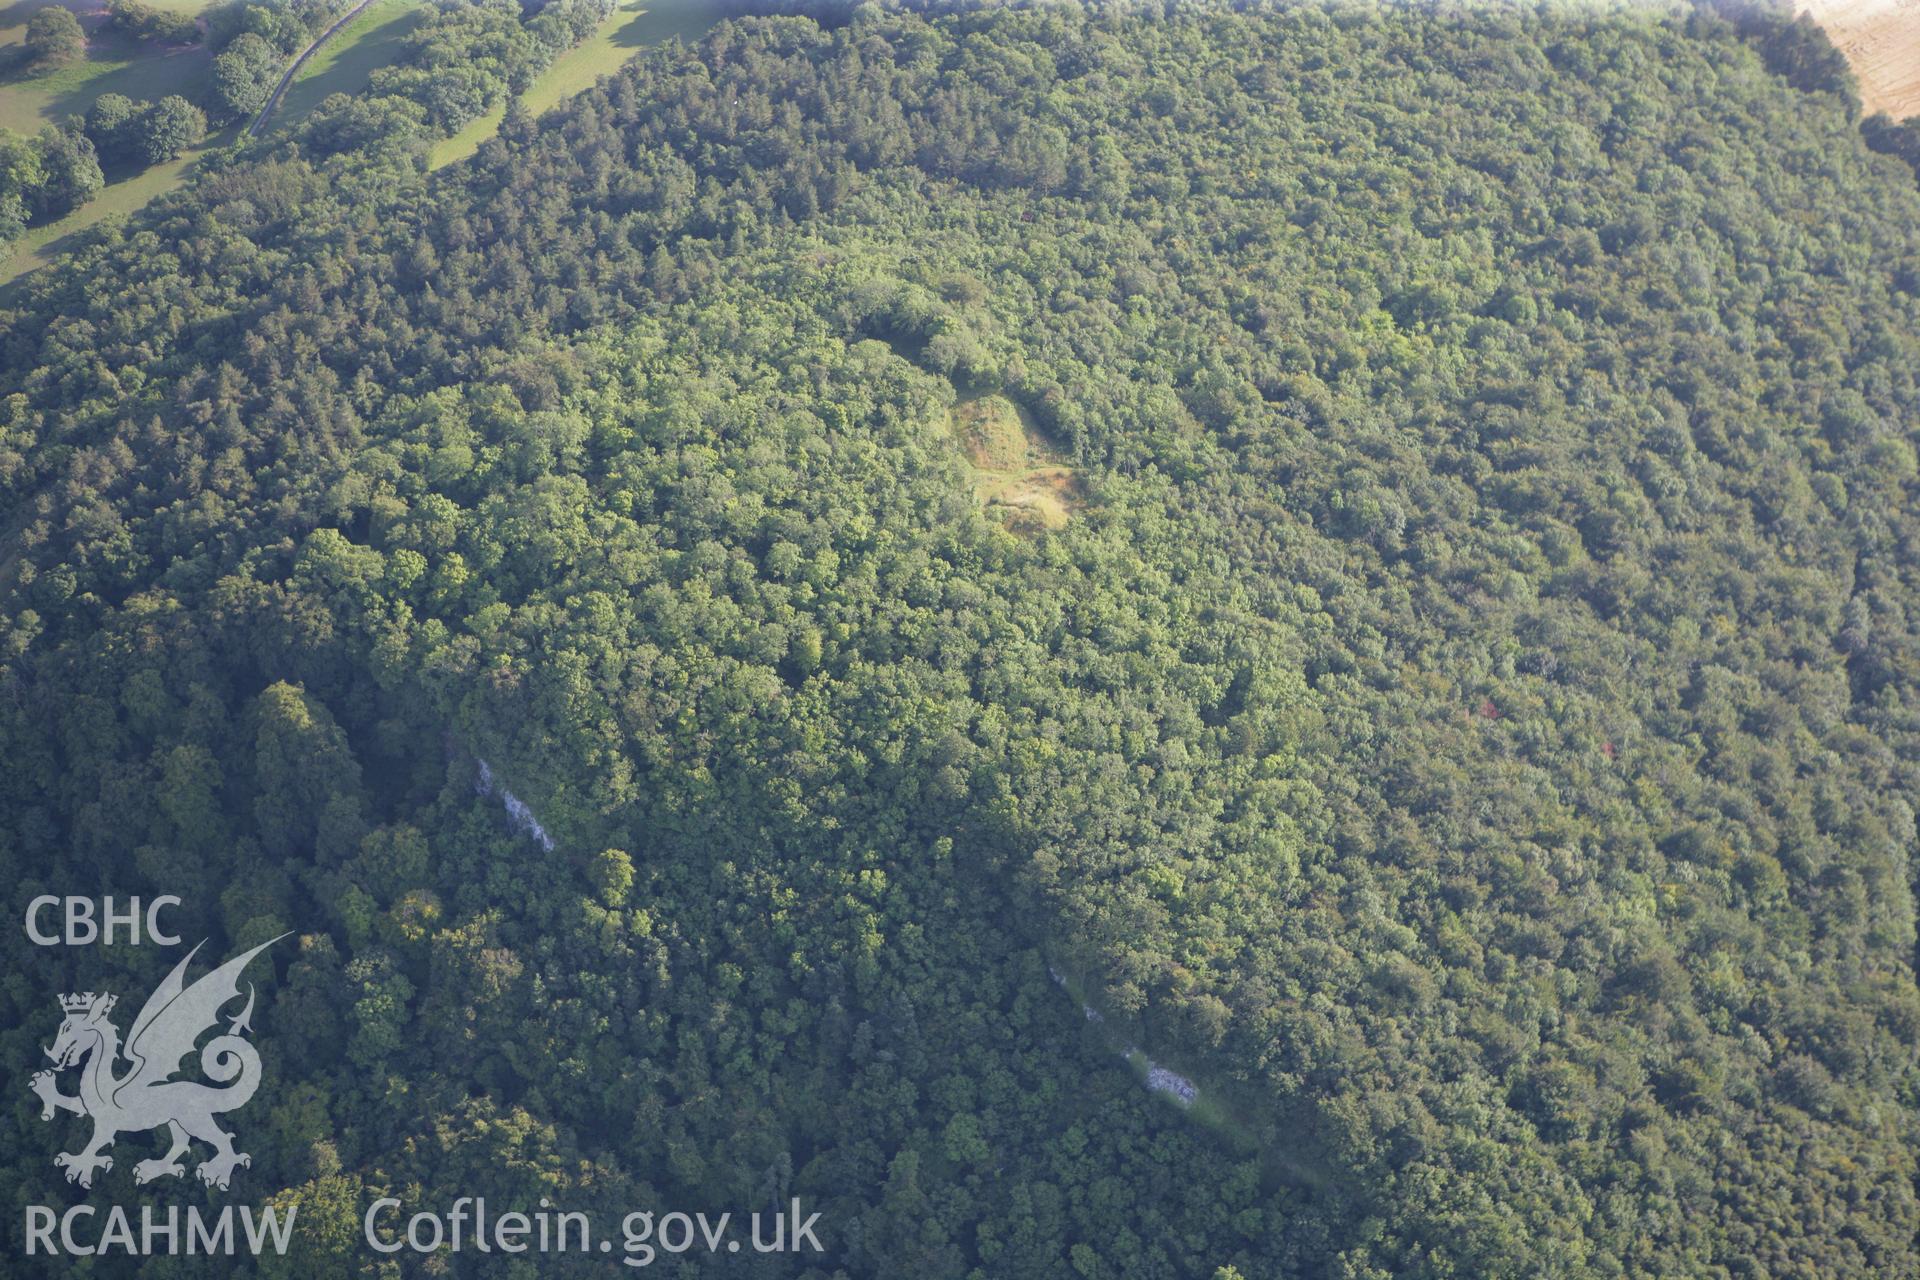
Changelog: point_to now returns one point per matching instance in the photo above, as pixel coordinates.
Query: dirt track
(280, 90)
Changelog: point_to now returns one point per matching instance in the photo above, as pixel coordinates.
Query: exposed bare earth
(1017, 473)
(1881, 39)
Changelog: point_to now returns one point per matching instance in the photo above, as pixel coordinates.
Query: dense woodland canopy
(1467, 721)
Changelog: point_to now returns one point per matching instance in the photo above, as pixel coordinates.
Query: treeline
(139, 20)
(66, 164)
(1469, 726)
(62, 167)
(460, 63)
(463, 60)
(44, 177)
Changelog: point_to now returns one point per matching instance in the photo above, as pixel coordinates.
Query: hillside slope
(1466, 723)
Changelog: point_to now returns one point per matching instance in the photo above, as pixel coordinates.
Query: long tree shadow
(149, 72)
(663, 19)
(113, 63)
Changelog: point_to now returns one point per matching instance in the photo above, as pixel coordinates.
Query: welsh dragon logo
(145, 1096)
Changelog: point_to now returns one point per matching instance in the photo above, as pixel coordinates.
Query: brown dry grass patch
(1018, 474)
(1881, 40)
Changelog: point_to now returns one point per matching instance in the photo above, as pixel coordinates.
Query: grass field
(30, 99)
(347, 62)
(344, 65)
(41, 245)
(632, 27)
